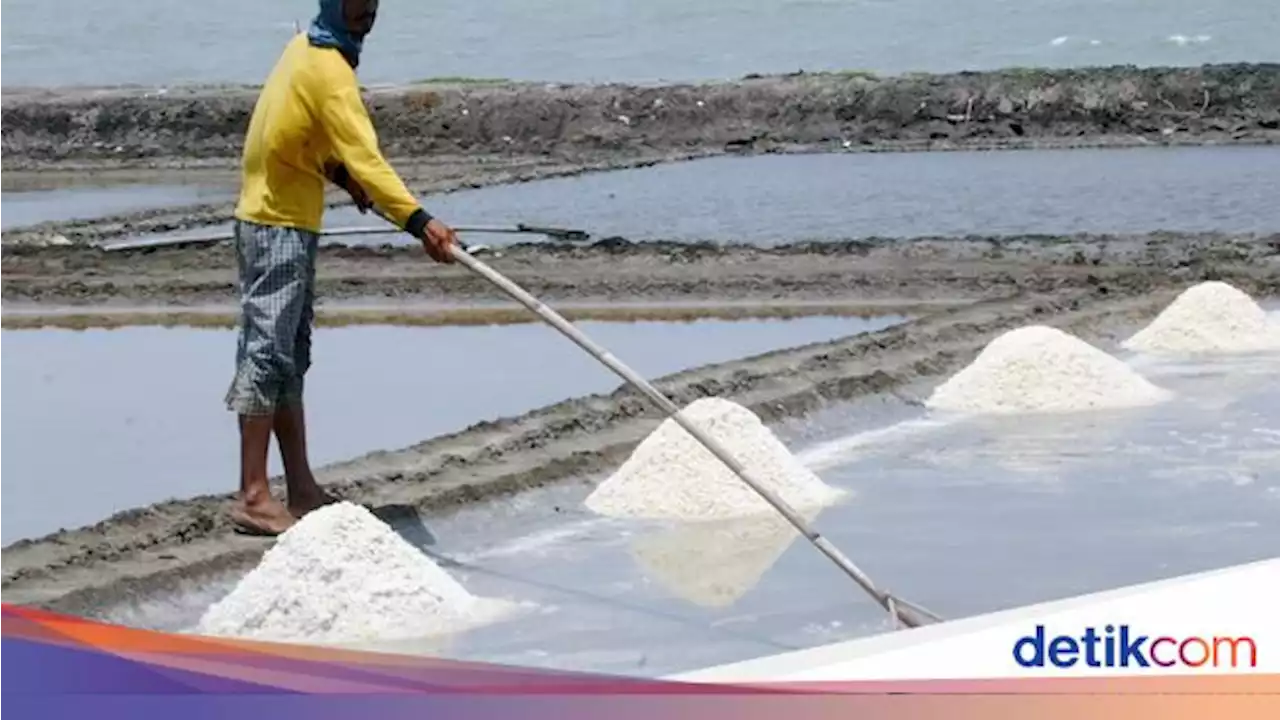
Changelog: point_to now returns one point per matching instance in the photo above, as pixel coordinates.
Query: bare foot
(261, 517)
(304, 501)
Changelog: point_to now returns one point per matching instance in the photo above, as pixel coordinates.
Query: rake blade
(919, 613)
(565, 234)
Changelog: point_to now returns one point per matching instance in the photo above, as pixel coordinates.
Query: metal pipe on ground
(903, 612)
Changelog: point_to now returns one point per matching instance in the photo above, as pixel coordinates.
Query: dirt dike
(1122, 282)
(613, 271)
(1237, 102)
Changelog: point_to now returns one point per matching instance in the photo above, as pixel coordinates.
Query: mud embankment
(903, 271)
(1226, 102)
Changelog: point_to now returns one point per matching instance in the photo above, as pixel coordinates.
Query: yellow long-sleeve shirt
(309, 115)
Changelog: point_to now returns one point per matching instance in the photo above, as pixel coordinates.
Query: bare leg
(305, 495)
(277, 279)
(255, 509)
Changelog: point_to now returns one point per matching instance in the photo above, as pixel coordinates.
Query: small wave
(538, 541)
(1064, 39)
(834, 452)
(1184, 40)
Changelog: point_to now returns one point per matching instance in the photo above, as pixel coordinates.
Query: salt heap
(341, 575)
(1212, 317)
(1042, 369)
(672, 476)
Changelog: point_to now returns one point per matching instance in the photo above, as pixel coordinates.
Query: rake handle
(902, 612)
(905, 613)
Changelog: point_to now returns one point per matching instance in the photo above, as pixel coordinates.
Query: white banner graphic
(1219, 622)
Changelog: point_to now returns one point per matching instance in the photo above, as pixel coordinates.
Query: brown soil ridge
(1238, 102)
(905, 270)
(341, 315)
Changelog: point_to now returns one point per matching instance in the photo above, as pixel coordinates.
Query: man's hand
(438, 240)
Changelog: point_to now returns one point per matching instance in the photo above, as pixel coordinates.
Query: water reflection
(152, 429)
(713, 564)
(1225, 189)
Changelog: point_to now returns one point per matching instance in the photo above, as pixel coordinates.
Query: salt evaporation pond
(827, 196)
(965, 517)
(370, 388)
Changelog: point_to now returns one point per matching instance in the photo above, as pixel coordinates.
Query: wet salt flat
(575, 40)
(963, 515)
(142, 407)
(1226, 189)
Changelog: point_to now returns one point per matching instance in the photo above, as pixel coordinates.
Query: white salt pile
(341, 575)
(1042, 369)
(672, 476)
(1212, 317)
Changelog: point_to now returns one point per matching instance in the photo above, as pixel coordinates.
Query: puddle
(971, 516)
(37, 206)
(142, 407)
(885, 194)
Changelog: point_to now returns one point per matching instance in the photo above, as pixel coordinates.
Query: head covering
(329, 29)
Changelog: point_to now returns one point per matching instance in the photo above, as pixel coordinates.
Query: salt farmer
(309, 125)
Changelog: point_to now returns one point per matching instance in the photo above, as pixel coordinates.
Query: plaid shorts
(277, 296)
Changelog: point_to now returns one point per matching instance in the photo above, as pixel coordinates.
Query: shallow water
(965, 516)
(574, 40)
(105, 420)
(779, 198)
(89, 203)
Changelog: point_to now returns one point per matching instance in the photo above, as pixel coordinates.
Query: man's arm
(338, 174)
(356, 144)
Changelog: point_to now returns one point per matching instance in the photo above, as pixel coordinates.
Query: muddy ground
(615, 272)
(178, 125)
(449, 137)
(1095, 287)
